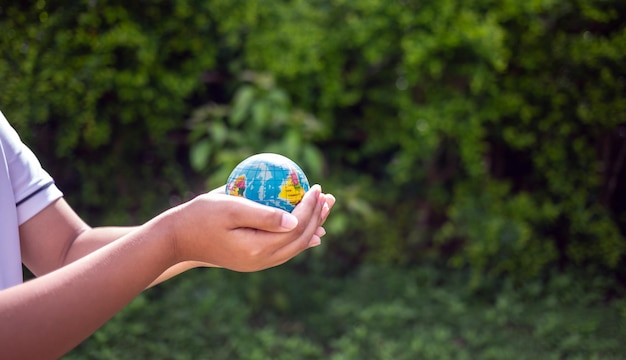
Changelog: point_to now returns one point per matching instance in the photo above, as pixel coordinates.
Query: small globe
(269, 179)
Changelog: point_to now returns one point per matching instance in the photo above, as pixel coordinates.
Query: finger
(309, 214)
(330, 199)
(303, 242)
(320, 231)
(330, 202)
(306, 213)
(306, 208)
(245, 213)
(315, 241)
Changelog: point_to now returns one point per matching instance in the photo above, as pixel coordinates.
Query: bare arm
(61, 308)
(44, 251)
(94, 238)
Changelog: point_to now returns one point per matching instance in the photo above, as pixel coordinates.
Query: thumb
(246, 213)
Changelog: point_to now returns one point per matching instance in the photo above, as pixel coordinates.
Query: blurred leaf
(261, 113)
(199, 154)
(219, 133)
(241, 104)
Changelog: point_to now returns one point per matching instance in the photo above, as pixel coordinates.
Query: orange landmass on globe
(237, 187)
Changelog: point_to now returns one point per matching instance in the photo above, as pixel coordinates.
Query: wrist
(164, 229)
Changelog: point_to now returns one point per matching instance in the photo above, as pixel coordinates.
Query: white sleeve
(33, 187)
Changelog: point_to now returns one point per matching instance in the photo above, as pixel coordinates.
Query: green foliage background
(483, 136)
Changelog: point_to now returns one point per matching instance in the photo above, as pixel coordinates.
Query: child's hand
(241, 235)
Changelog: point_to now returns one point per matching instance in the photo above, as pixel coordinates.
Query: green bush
(378, 313)
(485, 132)
(260, 119)
(477, 134)
(94, 82)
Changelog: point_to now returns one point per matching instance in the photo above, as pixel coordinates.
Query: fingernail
(320, 231)
(325, 211)
(315, 241)
(288, 222)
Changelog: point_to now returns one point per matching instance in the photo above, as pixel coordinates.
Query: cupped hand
(239, 234)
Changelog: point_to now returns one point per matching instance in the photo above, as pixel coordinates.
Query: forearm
(59, 310)
(93, 239)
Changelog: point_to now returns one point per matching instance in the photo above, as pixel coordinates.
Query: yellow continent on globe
(292, 191)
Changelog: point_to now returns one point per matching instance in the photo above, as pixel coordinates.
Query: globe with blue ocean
(269, 179)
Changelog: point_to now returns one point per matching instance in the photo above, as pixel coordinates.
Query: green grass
(373, 313)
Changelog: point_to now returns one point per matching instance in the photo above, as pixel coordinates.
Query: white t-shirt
(25, 190)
